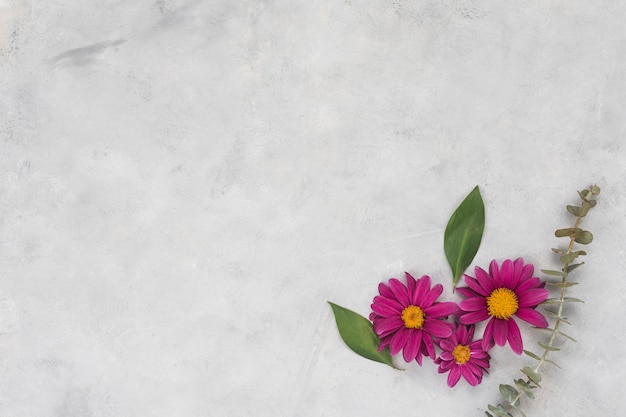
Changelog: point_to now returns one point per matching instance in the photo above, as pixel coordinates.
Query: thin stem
(555, 330)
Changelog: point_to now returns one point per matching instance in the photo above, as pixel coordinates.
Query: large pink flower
(407, 317)
(463, 357)
(500, 295)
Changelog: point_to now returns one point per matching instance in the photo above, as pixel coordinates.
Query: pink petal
(412, 345)
(481, 362)
(532, 316)
(384, 311)
(527, 273)
(470, 334)
(389, 303)
(500, 332)
(475, 285)
(518, 265)
(488, 335)
(473, 304)
(410, 284)
(462, 333)
(467, 292)
(429, 346)
(474, 317)
(485, 280)
(437, 328)
(421, 289)
(454, 376)
(385, 291)
(431, 296)
(515, 338)
(386, 325)
(445, 366)
(495, 273)
(506, 274)
(446, 356)
(399, 291)
(438, 310)
(532, 297)
(528, 284)
(466, 371)
(398, 341)
(447, 344)
(418, 358)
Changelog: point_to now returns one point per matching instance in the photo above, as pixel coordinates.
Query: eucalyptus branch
(567, 257)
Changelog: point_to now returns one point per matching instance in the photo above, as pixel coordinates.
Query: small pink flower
(463, 357)
(500, 295)
(407, 317)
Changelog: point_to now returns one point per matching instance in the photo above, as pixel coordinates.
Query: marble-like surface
(184, 184)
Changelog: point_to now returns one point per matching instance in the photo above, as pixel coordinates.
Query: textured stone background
(183, 185)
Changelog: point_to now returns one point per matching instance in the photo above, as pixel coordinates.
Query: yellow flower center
(502, 303)
(413, 317)
(461, 354)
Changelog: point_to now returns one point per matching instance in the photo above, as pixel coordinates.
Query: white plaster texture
(184, 184)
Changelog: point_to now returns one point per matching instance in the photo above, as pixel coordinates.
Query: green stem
(555, 330)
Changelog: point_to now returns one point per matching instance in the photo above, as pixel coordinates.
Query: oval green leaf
(358, 333)
(463, 234)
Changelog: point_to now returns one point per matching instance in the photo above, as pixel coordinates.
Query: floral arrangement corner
(406, 316)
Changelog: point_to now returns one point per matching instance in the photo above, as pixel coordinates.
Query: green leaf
(562, 284)
(499, 411)
(584, 238)
(584, 208)
(521, 384)
(532, 375)
(553, 273)
(559, 251)
(569, 257)
(568, 336)
(556, 316)
(564, 300)
(595, 190)
(570, 268)
(464, 233)
(509, 393)
(532, 355)
(573, 210)
(548, 347)
(572, 231)
(553, 363)
(358, 333)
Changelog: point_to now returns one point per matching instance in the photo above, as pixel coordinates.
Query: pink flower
(501, 294)
(407, 317)
(463, 357)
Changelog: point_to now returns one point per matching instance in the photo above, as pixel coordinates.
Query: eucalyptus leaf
(568, 336)
(595, 190)
(570, 268)
(567, 232)
(548, 347)
(509, 393)
(569, 257)
(553, 363)
(499, 411)
(525, 387)
(531, 354)
(532, 375)
(584, 238)
(358, 333)
(464, 233)
(553, 273)
(584, 208)
(573, 210)
(562, 284)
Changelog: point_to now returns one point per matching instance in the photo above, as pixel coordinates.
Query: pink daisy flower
(500, 295)
(463, 357)
(407, 317)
